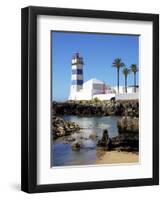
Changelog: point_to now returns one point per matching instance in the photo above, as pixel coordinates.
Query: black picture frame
(29, 99)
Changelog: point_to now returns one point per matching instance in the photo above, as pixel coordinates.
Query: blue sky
(98, 52)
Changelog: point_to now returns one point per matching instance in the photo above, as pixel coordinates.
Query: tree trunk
(134, 82)
(126, 84)
(117, 80)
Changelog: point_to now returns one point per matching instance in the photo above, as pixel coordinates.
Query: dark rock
(128, 125)
(70, 139)
(61, 127)
(99, 108)
(126, 142)
(104, 140)
(76, 146)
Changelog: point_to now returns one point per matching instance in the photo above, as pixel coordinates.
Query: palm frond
(126, 71)
(134, 68)
(118, 63)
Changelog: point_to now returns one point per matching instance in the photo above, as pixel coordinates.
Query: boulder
(126, 142)
(76, 145)
(128, 125)
(61, 127)
(104, 140)
(70, 139)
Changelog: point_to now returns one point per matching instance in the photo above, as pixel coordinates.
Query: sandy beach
(112, 157)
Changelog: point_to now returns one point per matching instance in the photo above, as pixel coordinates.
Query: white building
(130, 89)
(94, 88)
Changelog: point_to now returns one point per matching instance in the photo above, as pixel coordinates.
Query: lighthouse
(76, 75)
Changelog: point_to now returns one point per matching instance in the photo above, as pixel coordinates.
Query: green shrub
(96, 100)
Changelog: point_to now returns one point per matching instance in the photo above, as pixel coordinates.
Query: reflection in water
(62, 153)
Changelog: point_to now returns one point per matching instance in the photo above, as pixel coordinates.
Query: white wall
(127, 96)
(122, 89)
(10, 100)
(104, 96)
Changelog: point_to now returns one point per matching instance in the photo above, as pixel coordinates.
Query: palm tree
(126, 72)
(134, 69)
(118, 64)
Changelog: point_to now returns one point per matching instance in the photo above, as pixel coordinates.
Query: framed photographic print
(90, 99)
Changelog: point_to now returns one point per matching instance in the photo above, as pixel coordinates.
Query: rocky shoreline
(97, 108)
(128, 125)
(128, 138)
(60, 127)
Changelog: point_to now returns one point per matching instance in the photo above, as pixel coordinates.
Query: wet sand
(112, 157)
